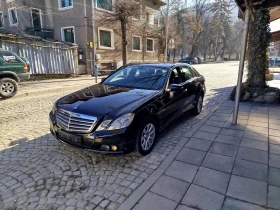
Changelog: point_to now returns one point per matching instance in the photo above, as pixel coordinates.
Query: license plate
(69, 137)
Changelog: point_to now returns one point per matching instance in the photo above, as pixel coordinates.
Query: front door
(36, 18)
(172, 100)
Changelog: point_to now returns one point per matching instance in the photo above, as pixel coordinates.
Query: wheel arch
(10, 75)
(150, 111)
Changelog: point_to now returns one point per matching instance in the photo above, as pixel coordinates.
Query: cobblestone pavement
(38, 172)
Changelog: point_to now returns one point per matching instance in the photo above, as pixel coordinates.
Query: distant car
(13, 69)
(274, 61)
(126, 111)
(189, 60)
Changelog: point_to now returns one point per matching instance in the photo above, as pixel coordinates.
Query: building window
(150, 45)
(36, 16)
(68, 34)
(65, 4)
(13, 17)
(106, 38)
(104, 4)
(1, 20)
(150, 18)
(136, 43)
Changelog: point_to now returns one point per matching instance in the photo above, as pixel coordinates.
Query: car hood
(100, 100)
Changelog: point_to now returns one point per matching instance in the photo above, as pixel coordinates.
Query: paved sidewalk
(55, 85)
(219, 165)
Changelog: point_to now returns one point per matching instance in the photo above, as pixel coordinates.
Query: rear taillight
(25, 68)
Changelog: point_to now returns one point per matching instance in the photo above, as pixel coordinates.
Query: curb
(148, 183)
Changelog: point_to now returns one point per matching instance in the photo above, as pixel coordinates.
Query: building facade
(71, 21)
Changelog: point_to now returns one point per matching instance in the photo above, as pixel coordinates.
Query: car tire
(146, 136)
(198, 105)
(8, 88)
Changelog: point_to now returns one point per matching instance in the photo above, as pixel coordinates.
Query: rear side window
(186, 73)
(195, 72)
(9, 57)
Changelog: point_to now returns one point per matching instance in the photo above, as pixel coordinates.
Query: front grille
(75, 122)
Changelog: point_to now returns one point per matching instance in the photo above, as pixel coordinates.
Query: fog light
(104, 147)
(114, 148)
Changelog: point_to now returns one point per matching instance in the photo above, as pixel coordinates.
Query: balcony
(44, 33)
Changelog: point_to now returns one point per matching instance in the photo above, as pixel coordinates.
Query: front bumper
(98, 141)
(24, 76)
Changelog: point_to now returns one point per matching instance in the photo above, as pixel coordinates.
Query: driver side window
(174, 77)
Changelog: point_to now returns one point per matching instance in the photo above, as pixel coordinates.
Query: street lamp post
(93, 39)
(166, 31)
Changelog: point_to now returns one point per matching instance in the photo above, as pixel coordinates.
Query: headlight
(103, 125)
(54, 108)
(121, 122)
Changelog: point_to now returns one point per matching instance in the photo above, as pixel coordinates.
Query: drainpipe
(86, 34)
(50, 13)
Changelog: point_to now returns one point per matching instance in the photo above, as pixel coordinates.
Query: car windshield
(141, 77)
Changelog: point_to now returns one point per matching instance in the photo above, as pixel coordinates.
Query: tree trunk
(223, 53)
(193, 50)
(124, 42)
(143, 47)
(258, 42)
(205, 57)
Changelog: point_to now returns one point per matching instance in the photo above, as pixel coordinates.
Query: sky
(275, 25)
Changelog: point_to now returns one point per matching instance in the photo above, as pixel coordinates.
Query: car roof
(161, 65)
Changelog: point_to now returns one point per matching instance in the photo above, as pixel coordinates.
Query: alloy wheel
(148, 136)
(7, 88)
(199, 104)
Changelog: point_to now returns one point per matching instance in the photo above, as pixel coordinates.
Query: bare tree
(123, 12)
(235, 39)
(196, 17)
(173, 24)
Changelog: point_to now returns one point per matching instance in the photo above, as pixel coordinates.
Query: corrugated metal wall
(44, 56)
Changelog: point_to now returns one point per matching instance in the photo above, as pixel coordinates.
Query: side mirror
(176, 87)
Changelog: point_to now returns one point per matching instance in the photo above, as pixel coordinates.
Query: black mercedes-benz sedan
(127, 110)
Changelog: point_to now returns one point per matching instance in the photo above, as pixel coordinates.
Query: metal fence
(44, 56)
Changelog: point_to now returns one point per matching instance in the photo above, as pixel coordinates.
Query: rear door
(11, 62)
(189, 81)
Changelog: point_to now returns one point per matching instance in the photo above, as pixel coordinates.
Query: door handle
(185, 90)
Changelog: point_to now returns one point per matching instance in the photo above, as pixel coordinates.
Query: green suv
(13, 69)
